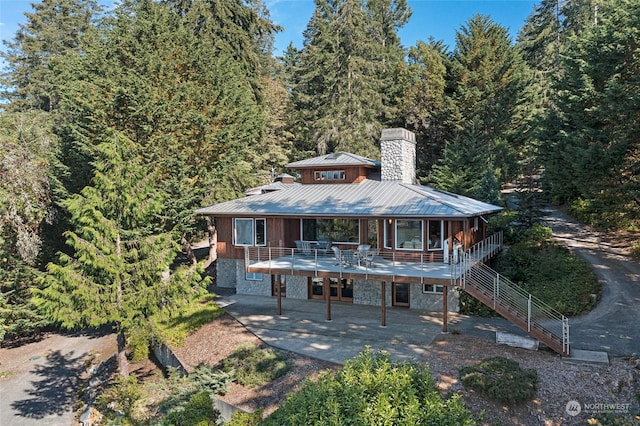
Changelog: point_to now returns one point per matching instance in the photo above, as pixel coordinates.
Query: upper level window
(250, 232)
(329, 175)
(409, 234)
(332, 230)
(434, 229)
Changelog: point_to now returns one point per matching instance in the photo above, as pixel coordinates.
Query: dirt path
(613, 325)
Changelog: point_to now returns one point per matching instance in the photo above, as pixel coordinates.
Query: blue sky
(437, 18)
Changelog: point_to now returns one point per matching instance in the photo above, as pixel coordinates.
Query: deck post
(383, 304)
(445, 308)
(279, 293)
(327, 294)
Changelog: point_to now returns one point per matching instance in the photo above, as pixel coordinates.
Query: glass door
(400, 294)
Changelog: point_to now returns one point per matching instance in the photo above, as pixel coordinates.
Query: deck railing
(511, 301)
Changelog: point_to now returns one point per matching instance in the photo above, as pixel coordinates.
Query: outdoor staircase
(516, 305)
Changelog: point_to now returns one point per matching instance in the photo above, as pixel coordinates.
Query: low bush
(198, 411)
(253, 366)
(372, 390)
(501, 379)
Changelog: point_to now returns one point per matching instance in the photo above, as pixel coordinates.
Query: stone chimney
(398, 149)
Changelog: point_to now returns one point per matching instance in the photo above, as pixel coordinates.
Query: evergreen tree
(117, 271)
(187, 104)
(52, 31)
(599, 94)
(464, 164)
(490, 83)
(343, 85)
(28, 146)
(427, 109)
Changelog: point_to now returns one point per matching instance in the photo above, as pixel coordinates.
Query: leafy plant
(198, 411)
(240, 418)
(120, 397)
(253, 366)
(501, 379)
(371, 389)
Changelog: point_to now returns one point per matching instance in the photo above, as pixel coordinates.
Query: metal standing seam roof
(369, 198)
(336, 159)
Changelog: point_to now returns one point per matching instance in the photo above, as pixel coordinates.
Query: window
(434, 229)
(409, 234)
(329, 175)
(333, 230)
(253, 276)
(432, 288)
(250, 232)
(388, 234)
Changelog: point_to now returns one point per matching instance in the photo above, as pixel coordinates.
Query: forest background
(116, 126)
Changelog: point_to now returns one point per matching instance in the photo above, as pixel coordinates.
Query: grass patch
(501, 379)
(253, 366)
(173, 327)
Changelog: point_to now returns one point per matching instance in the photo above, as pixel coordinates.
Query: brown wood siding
(224, 226)
(275, 232)
(351, 175)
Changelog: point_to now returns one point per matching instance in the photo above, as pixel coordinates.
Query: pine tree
(116, 271)
(490, 88)
(53, 31)
(599, 94)
(26, 205)
(343, 85)
(427, 109)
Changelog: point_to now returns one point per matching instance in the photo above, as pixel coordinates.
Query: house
(288, 239)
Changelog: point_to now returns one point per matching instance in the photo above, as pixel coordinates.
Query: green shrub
(120, 397)
(198, 411)
(501, 379)
(371, 389)
(253, 366)
(240, 418)
(138, 340)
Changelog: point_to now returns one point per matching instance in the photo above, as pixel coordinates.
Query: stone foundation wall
(253, 287)
(297, 287)
(432, 302)
(226, 273)
(370, 292)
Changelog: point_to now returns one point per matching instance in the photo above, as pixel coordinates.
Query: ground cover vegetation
(543, 268)
(117, 125)
(372, 389)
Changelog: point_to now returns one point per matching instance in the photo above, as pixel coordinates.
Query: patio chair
(369, 256)
(323, 247)
(305, 248)
(344, 257)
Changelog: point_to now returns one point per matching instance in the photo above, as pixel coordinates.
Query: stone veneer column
(398, 149)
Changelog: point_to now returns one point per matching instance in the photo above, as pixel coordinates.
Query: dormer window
(329, 175)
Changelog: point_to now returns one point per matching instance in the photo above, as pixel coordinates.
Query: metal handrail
(514, 301)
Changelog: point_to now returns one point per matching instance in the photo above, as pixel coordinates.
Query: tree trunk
(213, 241)
(188, 249)
(123, 362)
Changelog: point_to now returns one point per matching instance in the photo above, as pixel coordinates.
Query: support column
(445, 309)
(383, 304)
(326, 283)
(279, 293)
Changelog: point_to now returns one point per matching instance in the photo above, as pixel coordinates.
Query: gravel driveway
(614, 325)
(39, 381)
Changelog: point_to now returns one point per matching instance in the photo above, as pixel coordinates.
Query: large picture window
(334, 230)
(250, 232)
(409, 234)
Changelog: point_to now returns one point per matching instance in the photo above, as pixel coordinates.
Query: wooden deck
(396, 267)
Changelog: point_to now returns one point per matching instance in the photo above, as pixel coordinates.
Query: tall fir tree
(596, 143)
(344, 88)
(52, 31)
(26, 205)
(117, 270)
(427, 109)
(491, 83)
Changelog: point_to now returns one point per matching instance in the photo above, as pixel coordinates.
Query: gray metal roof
(369, 198)
(273, 186)
(334, 159)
